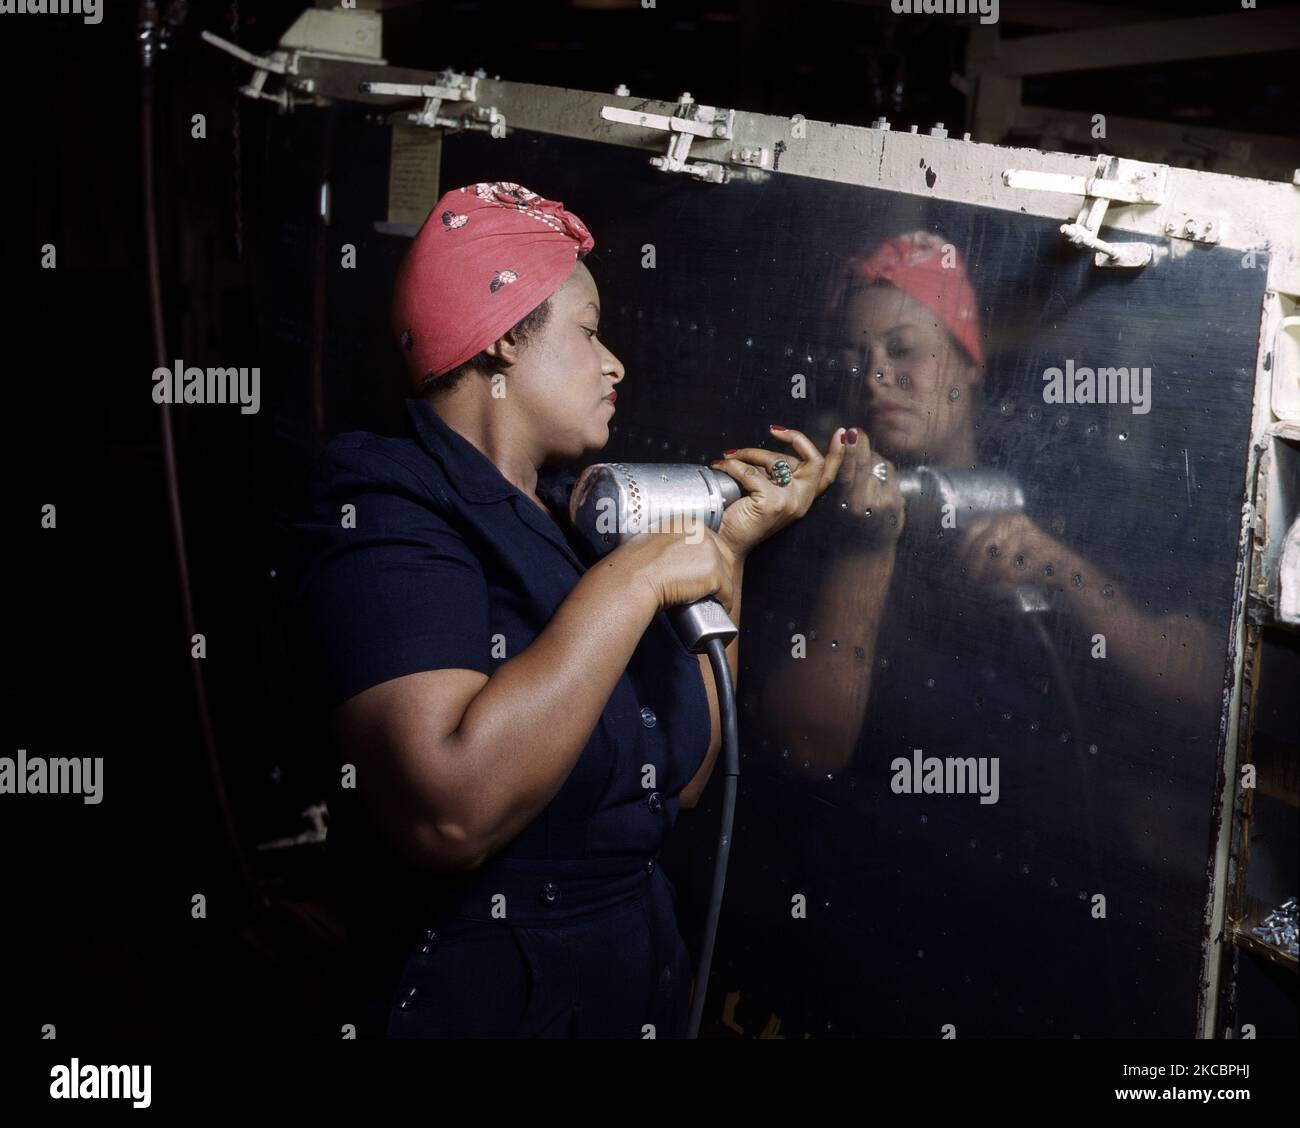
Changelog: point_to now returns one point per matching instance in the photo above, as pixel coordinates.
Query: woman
(517, 729)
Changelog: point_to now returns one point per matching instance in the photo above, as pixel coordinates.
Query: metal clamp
(277, 62)
(317, 34)
(1144, 185)
(690, 121)
(450, 87)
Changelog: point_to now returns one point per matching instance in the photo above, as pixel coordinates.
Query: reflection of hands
(868, 483)
(1007, 548)
(767, 507)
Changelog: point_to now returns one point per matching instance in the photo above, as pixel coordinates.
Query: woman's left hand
(1007, 548)
(767, 507)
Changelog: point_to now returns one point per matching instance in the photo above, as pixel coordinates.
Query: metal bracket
(1195, 229)
(1145, 184)
(450, 87)
(345, 37)
(283, 63)
(692, 120)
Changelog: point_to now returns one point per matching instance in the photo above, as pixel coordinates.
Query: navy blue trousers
(585, 950)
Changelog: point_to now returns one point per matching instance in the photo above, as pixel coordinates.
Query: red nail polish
(853, 436)
(778, 427)
(843, 435)
(731, 451)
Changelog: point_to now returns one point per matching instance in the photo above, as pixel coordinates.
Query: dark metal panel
(931, 909)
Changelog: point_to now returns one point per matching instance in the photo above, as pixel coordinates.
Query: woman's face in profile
(568, 373)
(914, 381)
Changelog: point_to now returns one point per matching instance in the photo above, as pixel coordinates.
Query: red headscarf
(487, 254)
(915, 263)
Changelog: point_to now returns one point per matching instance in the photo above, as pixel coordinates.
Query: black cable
(157, 324)
(1062, 677)
(731, 769)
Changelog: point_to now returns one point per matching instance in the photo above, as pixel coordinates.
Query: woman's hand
(683, 565)
(867, 488)
(767, 507)
(1007, 548)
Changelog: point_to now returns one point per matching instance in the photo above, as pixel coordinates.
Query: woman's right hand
(683, 565)
(868, 482)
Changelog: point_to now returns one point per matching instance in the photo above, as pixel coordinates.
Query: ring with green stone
(781, 472)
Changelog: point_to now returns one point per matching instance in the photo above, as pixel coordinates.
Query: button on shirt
(421, 555)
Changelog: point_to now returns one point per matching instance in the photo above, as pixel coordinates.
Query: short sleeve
(387, 586)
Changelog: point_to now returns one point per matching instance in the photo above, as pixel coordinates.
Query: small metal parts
(1114, 180)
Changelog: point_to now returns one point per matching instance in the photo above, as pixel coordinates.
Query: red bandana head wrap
(916, 264)
(487, 255)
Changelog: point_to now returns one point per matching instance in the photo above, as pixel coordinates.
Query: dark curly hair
(521, 333)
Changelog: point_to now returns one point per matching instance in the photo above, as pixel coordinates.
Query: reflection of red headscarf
(487, 255)
(915, 263)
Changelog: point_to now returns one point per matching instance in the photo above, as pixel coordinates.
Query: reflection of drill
(612, 502)
(933, 493)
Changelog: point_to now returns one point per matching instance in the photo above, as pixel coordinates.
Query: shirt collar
(468, 469)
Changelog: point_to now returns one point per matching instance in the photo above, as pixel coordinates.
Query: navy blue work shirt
(420, 555)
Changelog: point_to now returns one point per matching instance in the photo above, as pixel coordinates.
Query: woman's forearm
(527, 726)
(1168, 655)
(817, 704)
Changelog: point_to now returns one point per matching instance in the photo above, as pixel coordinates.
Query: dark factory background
(99, 937)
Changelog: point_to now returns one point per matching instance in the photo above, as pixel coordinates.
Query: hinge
(1114, 180)
(450, 87)
(692, 120)
(339, 36)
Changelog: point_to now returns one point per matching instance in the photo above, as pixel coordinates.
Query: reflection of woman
(517, 730)
(929, 909)
(909, 340)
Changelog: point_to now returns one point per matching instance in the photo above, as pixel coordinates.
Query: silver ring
(781, 472)
(881, 471)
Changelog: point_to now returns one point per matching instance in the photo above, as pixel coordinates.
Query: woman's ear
(504, 351)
